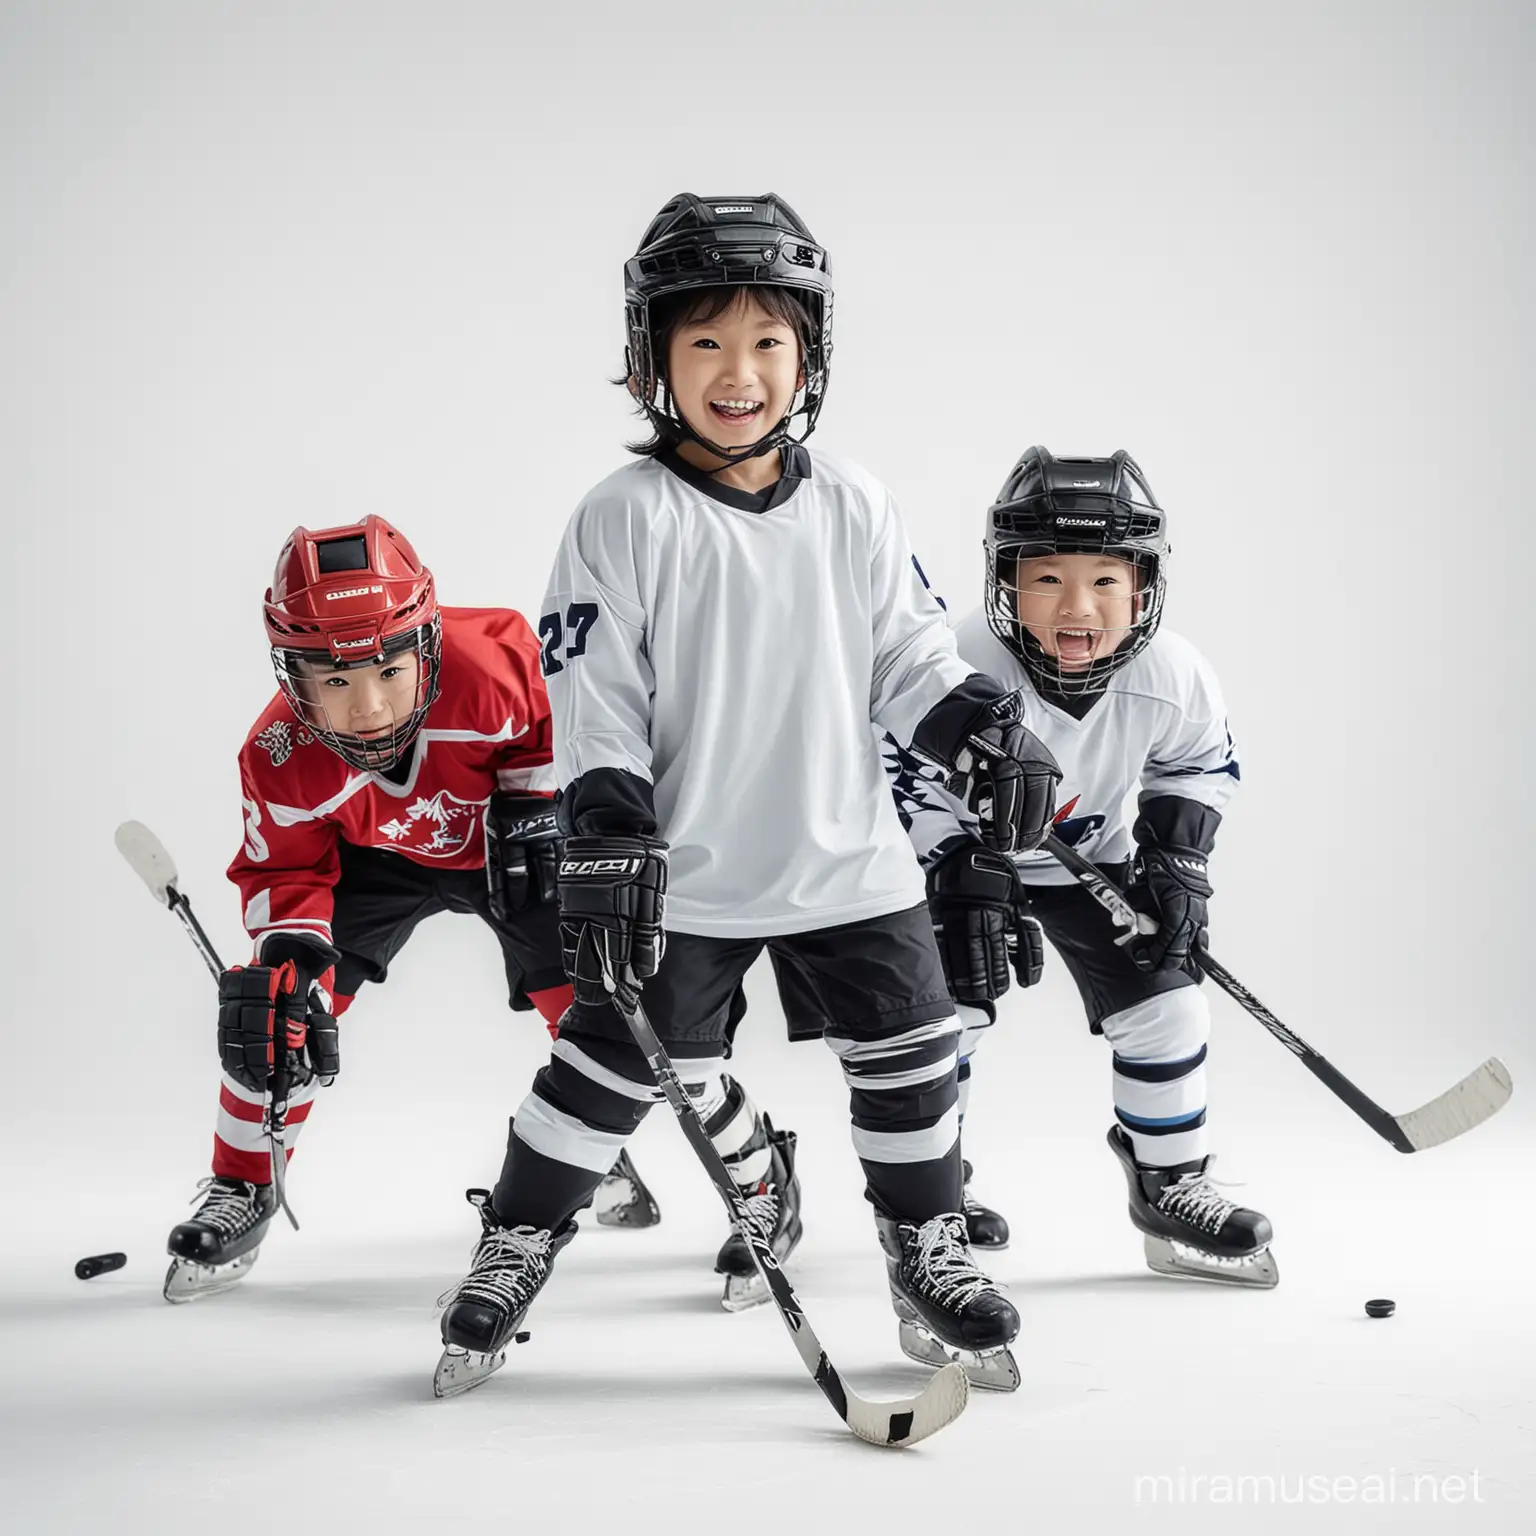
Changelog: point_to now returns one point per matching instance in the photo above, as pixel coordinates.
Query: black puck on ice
(99, 1264)
(1380, 1308)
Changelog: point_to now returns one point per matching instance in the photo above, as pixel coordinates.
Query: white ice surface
(264, 265)
(303, 1399)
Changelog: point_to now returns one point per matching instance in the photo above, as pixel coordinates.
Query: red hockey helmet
(350, 597)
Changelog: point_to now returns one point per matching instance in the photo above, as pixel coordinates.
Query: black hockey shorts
(870, 978)
(1084, 935)
(1080, 931)
(382, 896)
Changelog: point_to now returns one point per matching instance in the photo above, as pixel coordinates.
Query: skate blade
(1258, 1271)
(187, 1280)
(743, 1292)
(621, 1203)
(461, 1369)
(994, 1370)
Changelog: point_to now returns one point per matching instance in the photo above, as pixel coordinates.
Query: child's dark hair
(704, 304)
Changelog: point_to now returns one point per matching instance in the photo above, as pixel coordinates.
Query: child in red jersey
(403, 769)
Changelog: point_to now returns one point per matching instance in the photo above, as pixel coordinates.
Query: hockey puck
(99, 1264)
(1380, 1308)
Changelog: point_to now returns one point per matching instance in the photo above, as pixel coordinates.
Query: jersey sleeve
(915, 660)
(936, 821)
(526, 765)
(1194, 757)
(286, 874)
(595, 662)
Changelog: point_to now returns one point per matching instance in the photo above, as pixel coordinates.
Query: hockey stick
(900, 1421)
(149, 860)
(1475, 1098)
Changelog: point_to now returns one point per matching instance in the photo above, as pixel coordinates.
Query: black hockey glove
(971, 894)
(322, 1040)
(261, 1012)
(1026, 944)
(282, 998)
(1169, 881)
(522, 853)
(612, 898)
(1002, 771)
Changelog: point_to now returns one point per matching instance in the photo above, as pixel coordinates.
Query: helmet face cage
(696, 244)
(1046, 671)
(1100, 507)
(297, 669)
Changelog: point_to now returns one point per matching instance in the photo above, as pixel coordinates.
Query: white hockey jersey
(736, 659)
(1160, 728)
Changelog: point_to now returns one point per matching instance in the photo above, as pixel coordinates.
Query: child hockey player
(731, 589)
(1077, 554)
(361, 819)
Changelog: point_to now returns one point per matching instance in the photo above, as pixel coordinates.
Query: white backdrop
(265, 265)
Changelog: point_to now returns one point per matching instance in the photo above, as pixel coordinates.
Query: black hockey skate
(218, 1246)
(1191, 1231)
(487, 1307)
(622, 1200)
(947, 1308)
(985, 1227)
(775, 1208)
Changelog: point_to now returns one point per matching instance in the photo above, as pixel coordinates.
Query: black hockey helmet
(1051, 506)
(697, 243)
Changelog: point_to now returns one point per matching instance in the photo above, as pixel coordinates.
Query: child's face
(1079, 607)
(734, 378)
(367, 702)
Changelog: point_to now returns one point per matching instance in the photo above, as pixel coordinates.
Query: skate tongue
(1202, 1172)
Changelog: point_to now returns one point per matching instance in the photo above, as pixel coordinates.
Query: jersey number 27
(579, 619)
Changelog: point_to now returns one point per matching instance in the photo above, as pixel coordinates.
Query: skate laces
(763, 1209)
(508, 1267)
(942, 1264)
(228, 1211)
(1193, 1198)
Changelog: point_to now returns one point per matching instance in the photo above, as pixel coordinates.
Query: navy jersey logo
(1073, 830)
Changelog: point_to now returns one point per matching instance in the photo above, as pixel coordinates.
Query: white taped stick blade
(1477, 1097)
(148, 858)
(905, 1421)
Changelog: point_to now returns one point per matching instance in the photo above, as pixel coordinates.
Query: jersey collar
(797, 468)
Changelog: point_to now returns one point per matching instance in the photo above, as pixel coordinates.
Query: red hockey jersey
(488, 730)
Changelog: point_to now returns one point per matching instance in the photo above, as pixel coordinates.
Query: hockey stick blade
(1477, 1097)
(1459, 1109)
(146, 855)
(896, 1421)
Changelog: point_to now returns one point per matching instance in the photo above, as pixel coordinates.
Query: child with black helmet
(1077, 559)
(728, 616)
